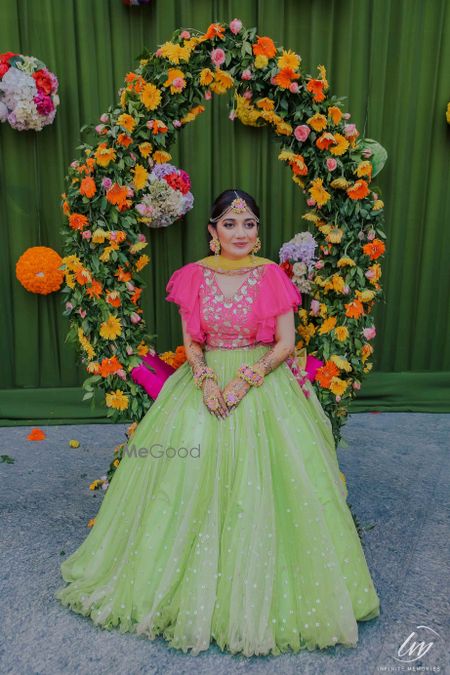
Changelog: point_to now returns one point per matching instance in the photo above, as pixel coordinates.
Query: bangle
(251, 374)
(202, 374)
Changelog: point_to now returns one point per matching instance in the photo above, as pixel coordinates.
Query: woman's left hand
(235, 391)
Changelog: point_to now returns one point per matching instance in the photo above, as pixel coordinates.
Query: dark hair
(223, 200)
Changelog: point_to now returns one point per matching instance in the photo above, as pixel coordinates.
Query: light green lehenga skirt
(236, 530)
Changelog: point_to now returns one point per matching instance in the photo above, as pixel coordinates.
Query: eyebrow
(234, 219)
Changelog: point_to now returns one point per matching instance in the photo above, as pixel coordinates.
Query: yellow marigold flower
(99, 236)
(323, 75)
(245, 112)
(151, 96)
(104, 155)
(74, 444)
(161, 156)
(289, 59)
(307, 332)
(104, 257)
(140, 176)
(72, 262)
(365, 296)
(284, 128)
(175, 53)
(145, 149)
(338, 283)
(123, 98)
(172, 74)
(377, 205)
(222, 82)
(303, 315)
(91, 522)
(309, 215)
(84, 342)
(265, 103)
(318, 192)
(335, 235)
(368, 368)
(376, 272)
(206, 76)
(138, 246)
(341, 333)
(93, 367)
(318, 122)
(345, 261)
(335, 113)
(116, 463)
(364, 169)
(327, 325)
(69, 279)
(142, 261)
(94, 484)
(338, 386)
(341, 362)
(261, 61)
(118, 400)
(126, 122)
(340, 183)
(111, 328)
(341, 145)
(323, 311)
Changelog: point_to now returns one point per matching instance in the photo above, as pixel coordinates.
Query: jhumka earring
(214, 245)
(257, 246)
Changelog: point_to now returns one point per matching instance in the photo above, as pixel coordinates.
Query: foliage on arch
(104, 242)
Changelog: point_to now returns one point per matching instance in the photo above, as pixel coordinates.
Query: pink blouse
(231, 322)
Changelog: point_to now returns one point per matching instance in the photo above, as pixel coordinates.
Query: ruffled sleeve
(277, 295)
(183, 289)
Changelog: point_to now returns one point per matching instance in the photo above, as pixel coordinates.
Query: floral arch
(104, 243)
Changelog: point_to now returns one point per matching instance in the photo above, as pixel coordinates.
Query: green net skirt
(235, 531)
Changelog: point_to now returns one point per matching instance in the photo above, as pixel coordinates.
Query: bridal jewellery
(251, 374)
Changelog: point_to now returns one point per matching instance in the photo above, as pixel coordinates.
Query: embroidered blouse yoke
(244, 318)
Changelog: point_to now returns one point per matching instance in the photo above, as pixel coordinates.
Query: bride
(226, 518)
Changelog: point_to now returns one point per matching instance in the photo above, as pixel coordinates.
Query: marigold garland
(104, 244)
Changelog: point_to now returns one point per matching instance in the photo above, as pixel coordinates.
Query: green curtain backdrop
(387, 57)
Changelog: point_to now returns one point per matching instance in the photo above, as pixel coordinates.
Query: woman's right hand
(213, 398)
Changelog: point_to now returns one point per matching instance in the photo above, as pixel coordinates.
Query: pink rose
(315, 306)
(232, 115)
(158, 52)
(185, 35)
(235, 26)
(248, 94)
(346, 116)
(121, 373)
(350, 130)
(69, 306)
(331, 163)
(370, 274)
(74, 164)
(179, 82)
(149, 123)
(371, 235)
(370, 332)
(104, 118)
(142, 237)
(106, 183)
(176, 123)
(129, 350)
(217, 56)
(130, 192)
(246, 74)
(294, 88)
(130, 286)
(82, 312)
(135, 318)
(319, 264)
(310, 201)
(338, 398)
(87, 234)
(302, 132)
(356, 385)
(99, 128)
(374, 195)
(208, 95)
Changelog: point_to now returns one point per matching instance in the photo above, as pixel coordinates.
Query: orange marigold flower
(117, 194)
(315, 87)
(374, 248)
(265, 103)
(88, 187)
(122, 275)
(158, 127)
(124, 139)
(136, 295)
(78, 221)
(109, 366)
(264, 46)
(284, 77)
(214, 30)
(113, 299)
(325, 374)
(94, 290)
(335, 113)
(36, 435)
(325, 140)
(83, 276)
(354, 309)
(358, 190)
